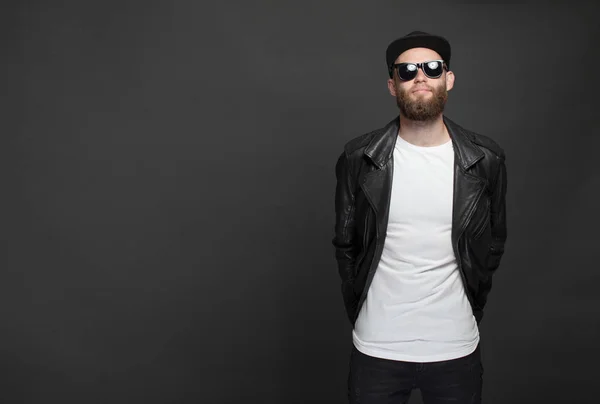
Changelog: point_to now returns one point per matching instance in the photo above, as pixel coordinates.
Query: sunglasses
(408, 71)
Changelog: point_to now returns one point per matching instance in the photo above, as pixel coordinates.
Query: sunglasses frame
(394, 67)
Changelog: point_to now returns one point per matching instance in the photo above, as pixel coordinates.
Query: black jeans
(383, 381)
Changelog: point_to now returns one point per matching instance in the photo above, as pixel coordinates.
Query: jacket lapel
(377, 184)
(468, 187)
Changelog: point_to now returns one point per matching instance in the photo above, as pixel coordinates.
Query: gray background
(167, 209)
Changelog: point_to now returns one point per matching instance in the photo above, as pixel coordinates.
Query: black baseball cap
(417, 39)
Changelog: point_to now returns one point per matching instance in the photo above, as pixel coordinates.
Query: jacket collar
(381, 147)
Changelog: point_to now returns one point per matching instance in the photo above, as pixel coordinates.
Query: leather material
(362, 199)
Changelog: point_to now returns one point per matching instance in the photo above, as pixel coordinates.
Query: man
(420, 231)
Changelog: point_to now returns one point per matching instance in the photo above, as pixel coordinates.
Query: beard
(422, 109)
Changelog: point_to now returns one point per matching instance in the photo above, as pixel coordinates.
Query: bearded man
(420, 229)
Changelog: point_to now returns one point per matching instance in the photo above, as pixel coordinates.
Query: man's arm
(498, 227)
(344, 240)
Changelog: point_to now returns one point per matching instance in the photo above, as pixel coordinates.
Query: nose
(420, 77)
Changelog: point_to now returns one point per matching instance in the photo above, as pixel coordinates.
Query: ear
(391, 87)
(449, 80)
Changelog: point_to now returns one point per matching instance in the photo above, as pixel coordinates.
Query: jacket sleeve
(498, 227)
(346, 249)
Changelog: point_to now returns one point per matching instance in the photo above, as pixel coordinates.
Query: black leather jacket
(362, 199)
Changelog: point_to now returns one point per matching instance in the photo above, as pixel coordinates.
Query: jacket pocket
(366, 230)
(365, 245)
(483, 222)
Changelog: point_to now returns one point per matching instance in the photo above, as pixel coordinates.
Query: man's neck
(424, 133)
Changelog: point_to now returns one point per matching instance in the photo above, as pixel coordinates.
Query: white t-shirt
(416, 308)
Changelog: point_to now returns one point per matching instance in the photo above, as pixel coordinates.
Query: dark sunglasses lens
(433, 69)
(406, 71)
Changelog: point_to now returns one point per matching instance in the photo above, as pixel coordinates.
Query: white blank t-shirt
(416, 309)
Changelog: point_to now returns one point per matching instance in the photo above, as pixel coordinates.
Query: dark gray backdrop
(168, 194)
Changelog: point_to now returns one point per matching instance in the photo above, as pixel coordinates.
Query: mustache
(422, 87)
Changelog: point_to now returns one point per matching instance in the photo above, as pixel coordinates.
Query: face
(422, 98)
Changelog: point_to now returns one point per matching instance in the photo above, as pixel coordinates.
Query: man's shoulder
(485, 142)
(356, 145)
